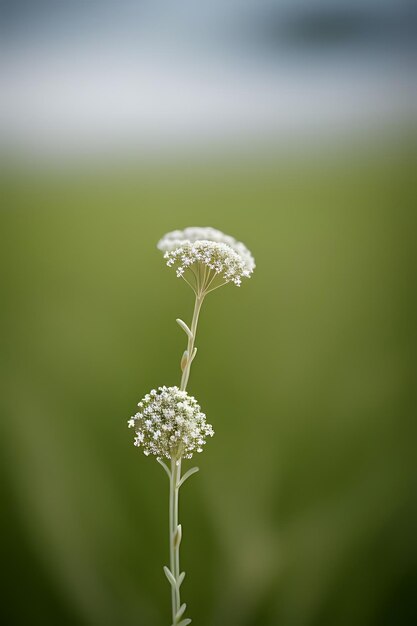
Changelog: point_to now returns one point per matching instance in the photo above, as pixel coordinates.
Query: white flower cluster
(176, 238)
(170, 424)
(218, 257)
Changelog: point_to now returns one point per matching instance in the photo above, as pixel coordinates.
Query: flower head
(172, 240)
(206, 258)
(170, 424)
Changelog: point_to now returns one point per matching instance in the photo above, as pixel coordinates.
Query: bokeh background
(289, 125)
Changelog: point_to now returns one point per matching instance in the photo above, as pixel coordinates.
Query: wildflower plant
(169, 423)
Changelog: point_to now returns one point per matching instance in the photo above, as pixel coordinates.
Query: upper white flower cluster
(172, 240)
(218, 257)
(219, 252)
(170, 424)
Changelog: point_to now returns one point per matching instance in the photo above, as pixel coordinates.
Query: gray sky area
(92, 76)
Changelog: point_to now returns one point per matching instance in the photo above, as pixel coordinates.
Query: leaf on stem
(180, 611)
(185, 328)
(193, 355)
(180, 579)
(177, 536)
(190, 472)
(169, 575)
(165, 466)
(184, 360)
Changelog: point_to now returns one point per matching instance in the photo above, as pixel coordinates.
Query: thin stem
(174, 545)
(191, 340)
(188, 283)
(216, 287)
(175, 477)
(207, 285)
(190, 267)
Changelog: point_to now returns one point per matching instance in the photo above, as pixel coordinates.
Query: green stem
(174, 547)
(175, 477)
(191, 340)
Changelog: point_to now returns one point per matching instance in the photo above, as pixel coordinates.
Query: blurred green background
(303, 513)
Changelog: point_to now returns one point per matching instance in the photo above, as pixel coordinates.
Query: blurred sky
(94, 77)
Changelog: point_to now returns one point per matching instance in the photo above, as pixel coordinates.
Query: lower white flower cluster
(219, 257)
(170, 424)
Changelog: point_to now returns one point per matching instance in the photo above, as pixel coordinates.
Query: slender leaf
(190, 472)
(169, 575)
(184, 360)
(185, 328)
(165, 466)
(180, 611)
(177, 536)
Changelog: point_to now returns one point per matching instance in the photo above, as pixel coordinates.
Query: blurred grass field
(303, 513)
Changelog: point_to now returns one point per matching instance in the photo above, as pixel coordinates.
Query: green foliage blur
(303, 513)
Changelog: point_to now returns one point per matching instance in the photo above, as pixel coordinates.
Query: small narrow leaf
(184, 360)
(185, 328)
(169, 575)
(177, 536)
(190, 472)
(193, 354)
(180, 579)
(165, 466)
(185, 622)
(180, 611)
